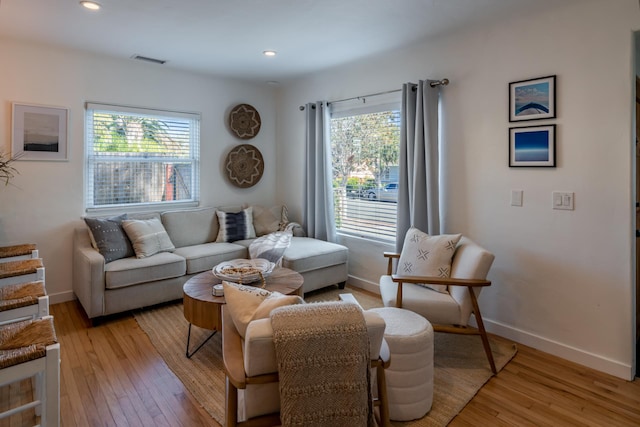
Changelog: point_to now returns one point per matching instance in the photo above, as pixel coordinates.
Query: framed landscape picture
(532, 146)
(39, 132)
(532, 99)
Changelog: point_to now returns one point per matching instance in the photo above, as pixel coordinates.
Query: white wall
(562, 280)
(44, 202)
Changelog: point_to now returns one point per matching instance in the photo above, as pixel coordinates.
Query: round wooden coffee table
(202, 308)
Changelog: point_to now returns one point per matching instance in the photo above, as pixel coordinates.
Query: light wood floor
(111, 375)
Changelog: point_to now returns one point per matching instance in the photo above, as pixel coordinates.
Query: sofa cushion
(425, 255)
(191, 227)
(148, 237)
(205, 257)
(131, 271)
(247, 303)
(144, 215)
(268, 219)
(306, 253)
(109, 238)
(235, 226)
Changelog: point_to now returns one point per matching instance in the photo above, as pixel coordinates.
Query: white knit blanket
(323, 363)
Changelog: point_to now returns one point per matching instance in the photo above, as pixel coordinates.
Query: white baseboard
(582, 357)
(357, 282)
(61, 297)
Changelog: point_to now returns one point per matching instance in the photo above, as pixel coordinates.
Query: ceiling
(227, 37)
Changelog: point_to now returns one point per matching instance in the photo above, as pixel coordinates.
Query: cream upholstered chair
(252, 395)
(451, 310)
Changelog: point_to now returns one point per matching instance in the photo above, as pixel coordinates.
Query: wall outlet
(562, 200)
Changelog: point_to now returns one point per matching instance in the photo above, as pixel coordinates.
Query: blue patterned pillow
(235, 226)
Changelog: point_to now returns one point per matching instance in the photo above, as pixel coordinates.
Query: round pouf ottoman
(409, 377)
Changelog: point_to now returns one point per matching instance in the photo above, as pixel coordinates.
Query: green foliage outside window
(365, 144)
(136, 157)
(134, 134)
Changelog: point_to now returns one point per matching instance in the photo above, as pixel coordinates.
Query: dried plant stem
(7, 171)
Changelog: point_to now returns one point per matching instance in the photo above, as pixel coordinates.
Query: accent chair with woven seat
(29, 349)
(18, 252)
(22, 301)
(22, 288)
(446, 302)
(21, 271)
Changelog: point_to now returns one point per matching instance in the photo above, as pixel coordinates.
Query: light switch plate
(516, 197)
(562, 200)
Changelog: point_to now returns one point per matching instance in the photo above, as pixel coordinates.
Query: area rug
(461, 367)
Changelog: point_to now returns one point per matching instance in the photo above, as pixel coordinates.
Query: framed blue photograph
(533, 99)
(533, 146)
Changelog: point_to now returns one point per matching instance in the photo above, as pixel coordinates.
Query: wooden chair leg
(483, 332)
(399, 296)
(382, 396)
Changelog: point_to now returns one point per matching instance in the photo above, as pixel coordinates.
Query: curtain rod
(443, 82)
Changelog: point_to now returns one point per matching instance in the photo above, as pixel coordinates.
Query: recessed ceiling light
(269, 53)
(91, 5)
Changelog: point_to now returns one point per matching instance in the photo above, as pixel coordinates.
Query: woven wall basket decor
(244, 121)
(244, 165)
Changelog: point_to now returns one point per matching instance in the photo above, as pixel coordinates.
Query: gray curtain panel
(418, 189)
(318, 213)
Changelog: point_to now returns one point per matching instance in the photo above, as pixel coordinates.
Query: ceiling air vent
(147, 59)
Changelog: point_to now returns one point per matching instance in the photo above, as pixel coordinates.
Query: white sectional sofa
(104, 286)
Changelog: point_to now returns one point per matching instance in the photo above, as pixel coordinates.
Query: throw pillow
(268, 219)
(285, 217)
(148, 237)
(294, 228)
(425, 255)
(270, 247)
(235, 226)
(109, 238)
(247, 303)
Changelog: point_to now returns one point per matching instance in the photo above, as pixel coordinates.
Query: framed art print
(39, 132)
(532, 146)
(533, 99)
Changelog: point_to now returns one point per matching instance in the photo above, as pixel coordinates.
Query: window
(139, 157)
(365, 144)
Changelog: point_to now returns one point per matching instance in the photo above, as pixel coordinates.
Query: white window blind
(140, 157)
(365, 142)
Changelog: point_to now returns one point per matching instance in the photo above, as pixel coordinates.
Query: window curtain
(318, 213)
(418, 189)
